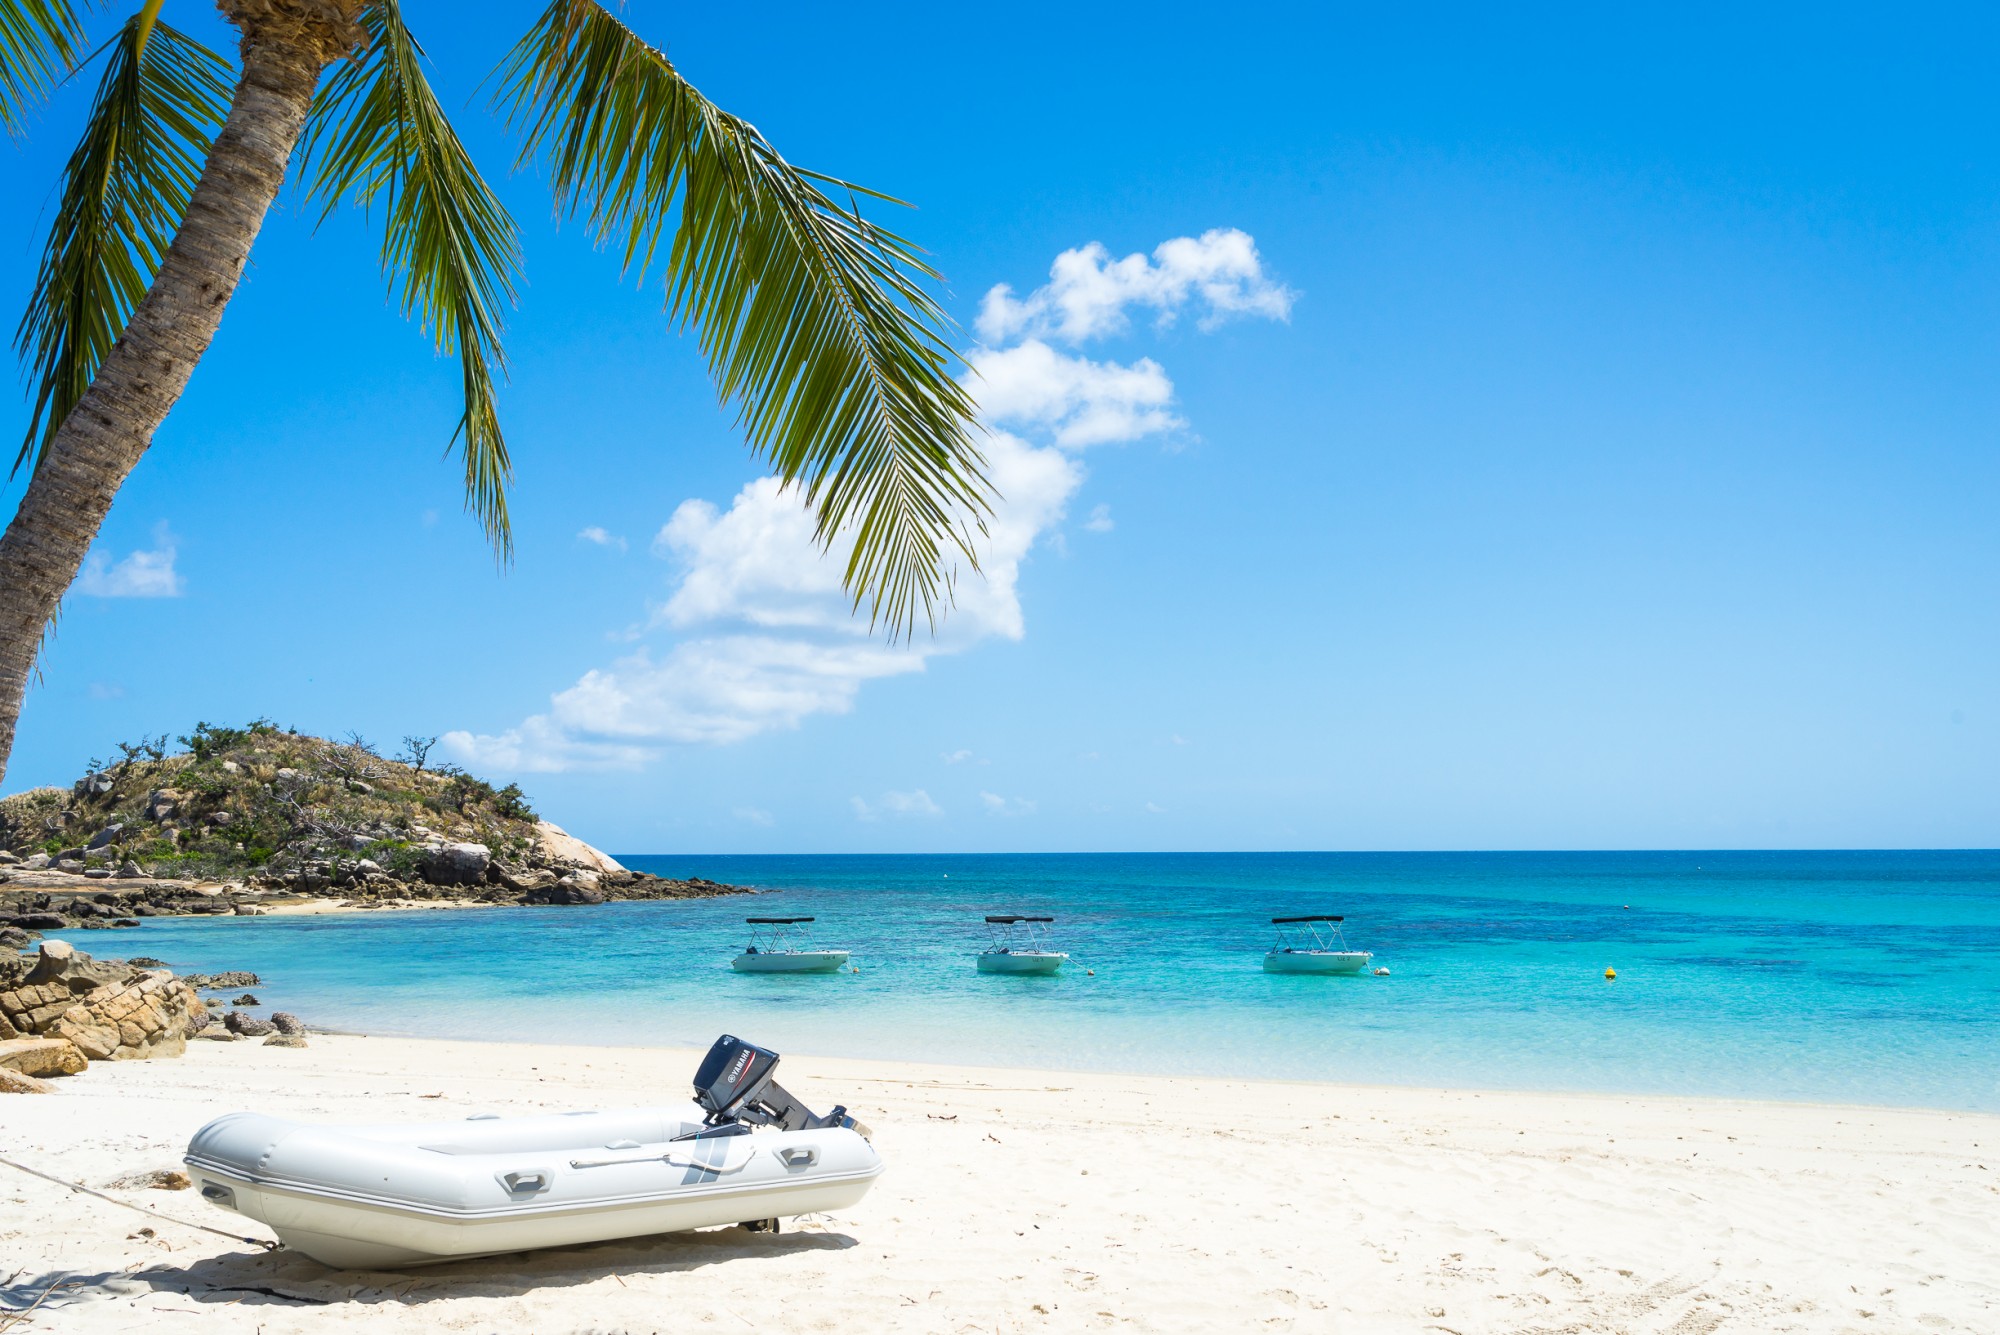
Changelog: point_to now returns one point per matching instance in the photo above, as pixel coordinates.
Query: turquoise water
(1855, 977)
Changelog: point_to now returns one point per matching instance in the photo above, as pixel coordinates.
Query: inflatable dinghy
(371, 1197)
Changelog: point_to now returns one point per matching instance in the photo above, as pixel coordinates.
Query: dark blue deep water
(1851, 976)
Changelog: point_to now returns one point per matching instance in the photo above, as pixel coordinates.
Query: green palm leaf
(814, 321)
(377, 131)
(124, 192)
(38, 40)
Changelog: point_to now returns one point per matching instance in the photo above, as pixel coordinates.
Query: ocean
(1855, 977)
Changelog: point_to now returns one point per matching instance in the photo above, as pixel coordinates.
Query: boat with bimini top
(1313, 943)
(784, 945)
(1021, 945)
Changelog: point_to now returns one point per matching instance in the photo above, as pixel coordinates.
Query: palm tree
(815, 322)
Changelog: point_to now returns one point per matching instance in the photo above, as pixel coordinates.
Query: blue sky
(1598, 452)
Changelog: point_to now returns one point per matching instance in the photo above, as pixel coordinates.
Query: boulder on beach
(287, 1023)
(105, 1009)
(13, 1082)
(247, 1026)
(521, 880)
(575, 888)
(41, 1056)
(457, 864)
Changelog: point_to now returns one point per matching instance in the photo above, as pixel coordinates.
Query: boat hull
(1316, 961)
(389, 1197)
(1022, 961)
(791, 961)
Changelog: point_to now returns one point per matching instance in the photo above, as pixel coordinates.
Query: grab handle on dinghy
(670, 1161)
(534, 1179)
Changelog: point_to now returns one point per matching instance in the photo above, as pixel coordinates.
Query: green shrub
(208, 741)
(512, 803)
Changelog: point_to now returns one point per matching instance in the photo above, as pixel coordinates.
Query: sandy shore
(1020, 1201)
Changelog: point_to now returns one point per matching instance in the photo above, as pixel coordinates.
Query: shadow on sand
(291, 1279)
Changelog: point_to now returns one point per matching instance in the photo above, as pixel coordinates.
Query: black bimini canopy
(777, 922)
(1315, 917)
(1014, 917)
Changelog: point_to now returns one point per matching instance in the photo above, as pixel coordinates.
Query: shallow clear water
(1860, 977)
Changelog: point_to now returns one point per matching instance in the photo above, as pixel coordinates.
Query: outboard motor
(734, 1087)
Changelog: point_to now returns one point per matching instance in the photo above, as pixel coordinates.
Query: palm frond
(124, 192)
(39, 40)
(814, 321)
(450, 248)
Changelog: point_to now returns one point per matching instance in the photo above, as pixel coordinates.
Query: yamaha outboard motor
(734, 1087)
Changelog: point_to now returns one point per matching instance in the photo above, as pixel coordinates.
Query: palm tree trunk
(286, 44)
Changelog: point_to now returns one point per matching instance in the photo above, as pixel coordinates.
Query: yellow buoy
(1611, 973)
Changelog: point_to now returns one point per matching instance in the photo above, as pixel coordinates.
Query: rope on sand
(266, 1243)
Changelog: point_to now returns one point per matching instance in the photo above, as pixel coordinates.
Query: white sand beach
(1022, 1201)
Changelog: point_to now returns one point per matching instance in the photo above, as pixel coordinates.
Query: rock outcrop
(104, 1010)
(250, 815)
(560, 848)
(457, 864)
(41, 1056)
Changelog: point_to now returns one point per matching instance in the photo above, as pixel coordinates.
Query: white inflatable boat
(415, 1194)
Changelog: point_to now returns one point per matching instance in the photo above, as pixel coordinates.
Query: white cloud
(916, 802)
(141, 574)
(602, 537)
(958, 757)
(754, 815)
(106, 690)
(1100, 520)
(1156, 808)
(712, 691)
(997, 805)
(1078, 401)
(1088, 291)
(767, 637)
(540, 745)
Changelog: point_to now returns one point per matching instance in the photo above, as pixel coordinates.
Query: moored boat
(1020, 945)
(1313, 943)
(784, 945)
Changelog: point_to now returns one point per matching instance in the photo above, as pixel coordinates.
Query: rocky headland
(259, 819)
(61, 1010)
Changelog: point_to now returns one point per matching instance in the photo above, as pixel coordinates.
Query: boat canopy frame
(1310, 934)
(1020, 934)
(780, 936)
